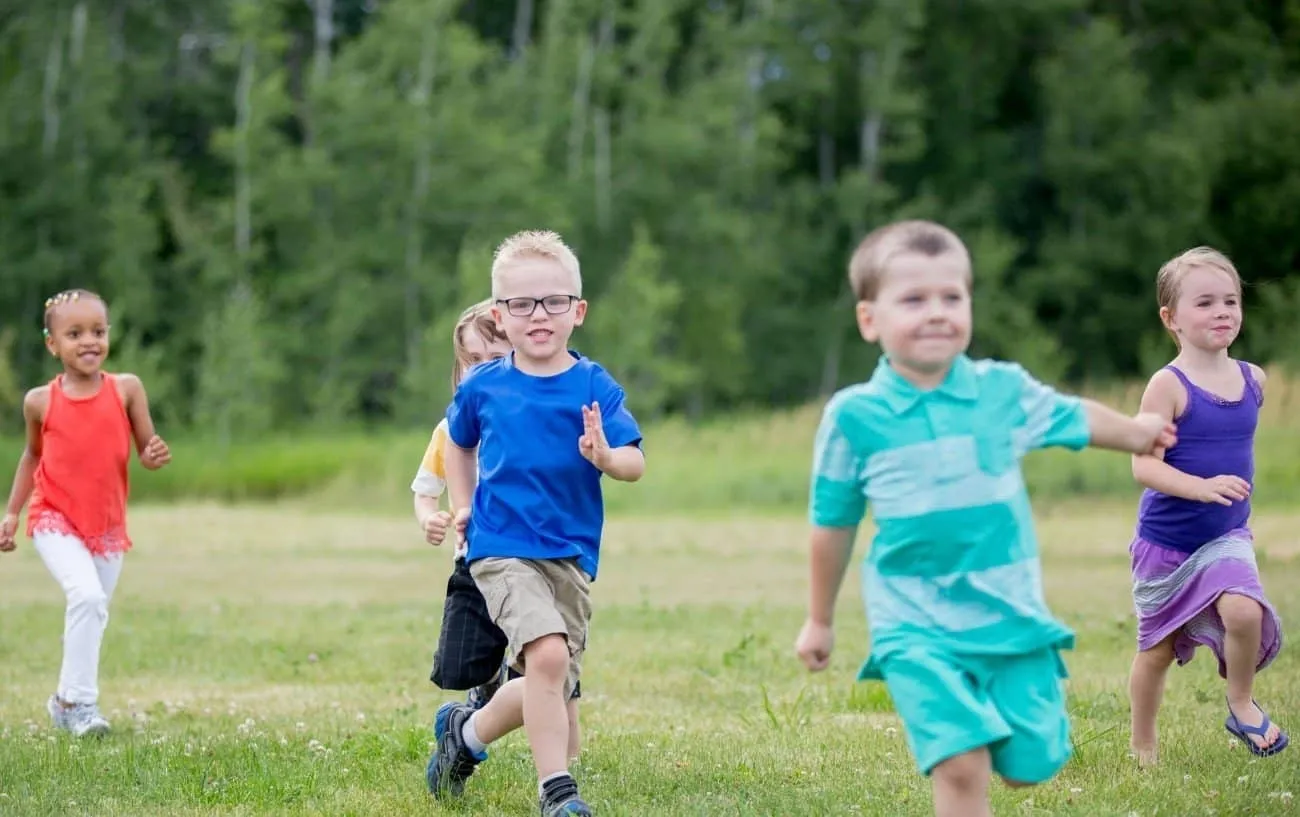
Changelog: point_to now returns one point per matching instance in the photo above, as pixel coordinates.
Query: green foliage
(712, 163)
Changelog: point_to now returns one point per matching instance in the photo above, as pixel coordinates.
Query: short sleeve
(1051, 418)
(620, 426)
(431, 477)
(837, 498)
(463, 428)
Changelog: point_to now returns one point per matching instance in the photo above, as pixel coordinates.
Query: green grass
(273, 660)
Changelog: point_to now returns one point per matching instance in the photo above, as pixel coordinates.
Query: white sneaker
(58, 715)
(78, 719)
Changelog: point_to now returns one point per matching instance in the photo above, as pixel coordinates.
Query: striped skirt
(1174, 594)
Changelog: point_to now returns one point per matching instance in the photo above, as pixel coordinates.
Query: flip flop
(1243, 732)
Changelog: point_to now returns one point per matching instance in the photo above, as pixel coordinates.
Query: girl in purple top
(1195, 581)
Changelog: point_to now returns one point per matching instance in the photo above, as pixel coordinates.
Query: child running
(541, 426)
(471, 649)
(960, 629)
(74, 469)
(1195, 580)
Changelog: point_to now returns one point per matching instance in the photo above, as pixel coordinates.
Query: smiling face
(537, 306)
(1206, 314)
(78, 334)
(921, 314)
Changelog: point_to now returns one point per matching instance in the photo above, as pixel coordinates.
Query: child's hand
(8, 529)
(435, 527)
(461, 523)
(592, 444)
(814, 645)
(1157, 433)
(1223, 489)
(156, 454)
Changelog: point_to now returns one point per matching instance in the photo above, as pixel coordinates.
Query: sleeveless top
(1215, 436)
(81, 483)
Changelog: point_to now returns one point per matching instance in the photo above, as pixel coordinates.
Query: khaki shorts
(532, 598)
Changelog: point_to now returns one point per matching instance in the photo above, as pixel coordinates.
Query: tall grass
(757, 462)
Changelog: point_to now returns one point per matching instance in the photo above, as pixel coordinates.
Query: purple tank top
(1215, 436)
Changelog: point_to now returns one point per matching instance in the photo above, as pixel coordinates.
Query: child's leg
(1146, 688)
(961, 785)
(1027, 691)
(950, 722)
(546, 721)
(508, 715)
(88, 583)
(1242, 623)
(532, 702)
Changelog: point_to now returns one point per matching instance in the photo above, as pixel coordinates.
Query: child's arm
(1142, 434)
(611, 438)
(829, 551)
(154, 453)
(837, 503)
(1150, 469)
(34, 404)
(428, 486)
(462, 474)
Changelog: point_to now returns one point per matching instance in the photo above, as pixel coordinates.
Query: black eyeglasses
(525, 307)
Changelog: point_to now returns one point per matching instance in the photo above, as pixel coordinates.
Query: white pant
(88, 583)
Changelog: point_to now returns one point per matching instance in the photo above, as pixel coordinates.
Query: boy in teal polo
(960, 630)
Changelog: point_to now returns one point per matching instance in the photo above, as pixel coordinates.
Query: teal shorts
(1014, 705)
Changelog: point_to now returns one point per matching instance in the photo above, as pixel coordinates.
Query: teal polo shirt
(954, 565)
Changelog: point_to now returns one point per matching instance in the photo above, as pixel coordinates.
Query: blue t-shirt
(537, 497)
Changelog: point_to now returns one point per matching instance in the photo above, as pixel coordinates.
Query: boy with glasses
(542, 426)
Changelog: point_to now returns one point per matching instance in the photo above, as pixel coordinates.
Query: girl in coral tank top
(79, 433)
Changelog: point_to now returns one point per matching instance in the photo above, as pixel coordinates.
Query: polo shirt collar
(901, 396)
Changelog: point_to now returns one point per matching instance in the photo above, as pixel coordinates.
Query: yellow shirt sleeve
(431, 478)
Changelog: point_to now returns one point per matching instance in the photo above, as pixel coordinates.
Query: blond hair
(542, 244)
(871, 259)
(479, 319)
(1169, 280)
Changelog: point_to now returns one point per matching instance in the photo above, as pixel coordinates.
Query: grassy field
(274, 661)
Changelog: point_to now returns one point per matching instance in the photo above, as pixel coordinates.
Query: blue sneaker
(452, 762)
(572, 807)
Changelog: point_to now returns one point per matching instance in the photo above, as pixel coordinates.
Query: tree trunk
(50, 95)
(323, 29)
(243, 125)
(419, 190)
(603, 169)
(523, 28)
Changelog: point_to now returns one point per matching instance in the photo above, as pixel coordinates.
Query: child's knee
(1239, 613)
(1159, 657)
(547, 657)
(967, 772)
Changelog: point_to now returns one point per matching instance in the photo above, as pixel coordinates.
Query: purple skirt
(1175, 592)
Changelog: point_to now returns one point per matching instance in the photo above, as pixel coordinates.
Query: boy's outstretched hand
(8, 529)
(814, 645)
(592, 444)
(1158, 433)
(156, 454)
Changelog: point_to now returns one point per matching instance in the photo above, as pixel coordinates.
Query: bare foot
(1251, 715)
(1146, 756)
